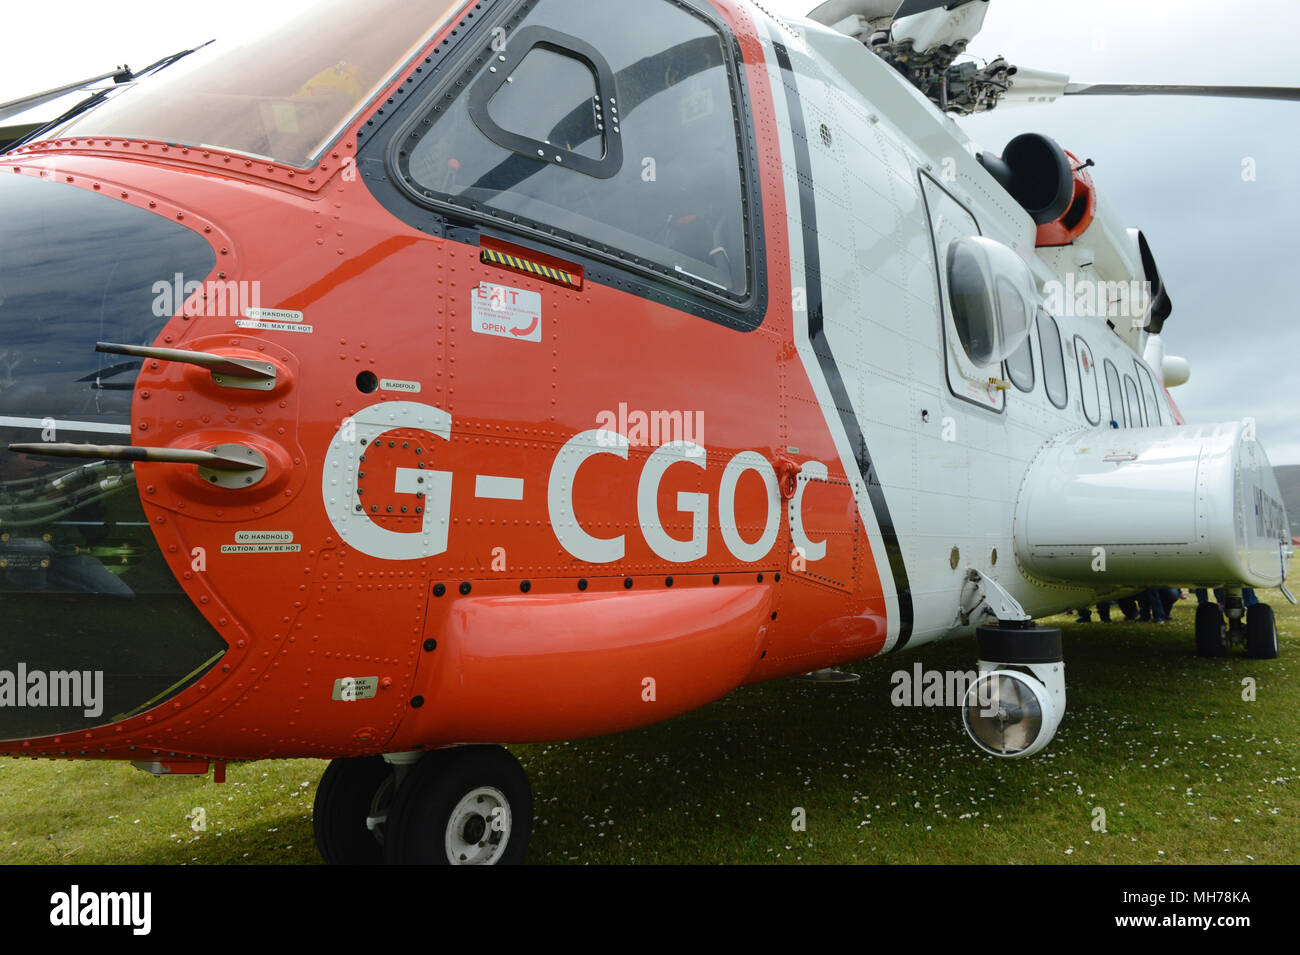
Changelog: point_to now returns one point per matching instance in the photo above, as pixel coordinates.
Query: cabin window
(1049, 345)
(1088, 385)
(1115, 392)
(1134, 402)
(1149, 395)
(987, 285)
(611, 128)
(1020, 367)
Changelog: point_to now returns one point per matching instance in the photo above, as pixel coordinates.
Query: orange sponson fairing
(505, 636)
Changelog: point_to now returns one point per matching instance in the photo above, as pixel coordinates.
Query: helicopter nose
(95, 626)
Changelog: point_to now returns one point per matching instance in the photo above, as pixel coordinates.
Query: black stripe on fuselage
(822, 347)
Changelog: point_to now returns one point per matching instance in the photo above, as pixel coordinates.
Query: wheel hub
(478, 828)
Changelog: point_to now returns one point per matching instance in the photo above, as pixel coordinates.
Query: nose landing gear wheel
(471, 805)
(351, 803)
(1209, 631)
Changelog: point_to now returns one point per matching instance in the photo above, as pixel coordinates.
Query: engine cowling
(1178, 506)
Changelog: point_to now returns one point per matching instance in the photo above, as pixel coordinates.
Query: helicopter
(425, 376)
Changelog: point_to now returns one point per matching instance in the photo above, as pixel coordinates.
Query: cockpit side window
(614, 128)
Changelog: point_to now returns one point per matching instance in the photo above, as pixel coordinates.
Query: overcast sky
(1228, 248)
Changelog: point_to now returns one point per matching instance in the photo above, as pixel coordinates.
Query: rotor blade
(833, 11)
(909, 8)
(1140, 89)
(14, 107)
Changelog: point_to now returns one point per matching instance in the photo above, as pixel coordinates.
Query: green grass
(1186, 771)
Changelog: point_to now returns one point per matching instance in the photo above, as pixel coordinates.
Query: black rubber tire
(1261, 633)
(422, 808)
(1209, 631)
(343, 801)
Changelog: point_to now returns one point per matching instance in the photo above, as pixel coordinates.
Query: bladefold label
(396, 384)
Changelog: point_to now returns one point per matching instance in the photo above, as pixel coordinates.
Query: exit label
(506, 312)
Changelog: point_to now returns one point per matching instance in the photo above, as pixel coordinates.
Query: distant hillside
(1288, 479)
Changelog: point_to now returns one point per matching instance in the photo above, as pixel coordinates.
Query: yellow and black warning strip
(493, 257)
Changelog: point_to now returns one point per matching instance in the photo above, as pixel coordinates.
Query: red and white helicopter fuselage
(513, 485)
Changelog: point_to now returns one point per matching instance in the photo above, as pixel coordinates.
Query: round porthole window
(992, 295)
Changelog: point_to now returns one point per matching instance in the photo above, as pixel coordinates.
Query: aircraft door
(987, 300)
